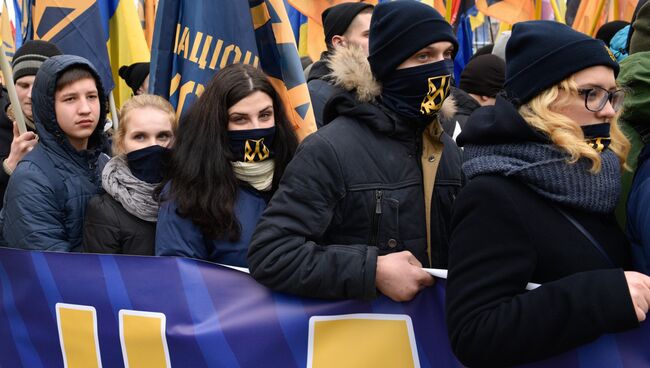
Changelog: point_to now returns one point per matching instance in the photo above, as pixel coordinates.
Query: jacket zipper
(376, 217)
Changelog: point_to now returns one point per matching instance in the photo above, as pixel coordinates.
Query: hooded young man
(13, 145)
(47, 195)
(367, 199)
(345, 25)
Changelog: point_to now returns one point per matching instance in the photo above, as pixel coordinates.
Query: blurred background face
(255, 111)
(146, 127)
(357, 33)
(24, 90)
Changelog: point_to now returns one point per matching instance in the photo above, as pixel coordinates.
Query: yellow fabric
(126, 45)
(431, 155)
(7, 34)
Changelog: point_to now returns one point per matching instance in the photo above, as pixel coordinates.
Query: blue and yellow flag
(126, 41)
(106, 32)
(76, 27)
(195, 39)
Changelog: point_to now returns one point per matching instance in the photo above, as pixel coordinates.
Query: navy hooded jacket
(46, 212)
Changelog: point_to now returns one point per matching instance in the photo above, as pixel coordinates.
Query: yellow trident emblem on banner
(260, 151)
(433, 100)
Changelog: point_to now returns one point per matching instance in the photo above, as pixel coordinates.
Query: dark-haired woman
(229, 155)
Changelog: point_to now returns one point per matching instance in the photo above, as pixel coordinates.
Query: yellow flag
(126, 45)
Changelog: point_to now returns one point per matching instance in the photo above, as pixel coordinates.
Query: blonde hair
(565, 132)
(140, 102)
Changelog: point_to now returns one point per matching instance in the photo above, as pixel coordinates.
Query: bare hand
(639, 285)
(20, 146)
(400, 276)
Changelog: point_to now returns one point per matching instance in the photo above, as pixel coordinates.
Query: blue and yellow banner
(194, 39)
(76, 27)
(87, 310)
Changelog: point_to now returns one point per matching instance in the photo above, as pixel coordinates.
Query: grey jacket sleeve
(285, 253)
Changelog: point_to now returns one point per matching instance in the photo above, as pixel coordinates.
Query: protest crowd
(507, 173)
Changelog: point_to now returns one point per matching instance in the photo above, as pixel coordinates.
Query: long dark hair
(202, 181)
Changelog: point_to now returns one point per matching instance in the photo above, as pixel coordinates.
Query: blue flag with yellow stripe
(194, 39)
(77, 28)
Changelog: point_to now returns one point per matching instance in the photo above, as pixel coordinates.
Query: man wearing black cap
(13, 145)
(366, 201)
(345, 25)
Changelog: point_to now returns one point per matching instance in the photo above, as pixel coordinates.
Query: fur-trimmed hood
(351, 72)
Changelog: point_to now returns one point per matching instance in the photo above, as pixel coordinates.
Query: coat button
(432, 158)
(392, 243)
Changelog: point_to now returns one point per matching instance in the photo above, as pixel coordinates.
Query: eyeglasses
(596, 98)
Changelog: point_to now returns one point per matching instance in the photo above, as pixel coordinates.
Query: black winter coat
(109, 228)
(321, 88)
(352, 192)
(506, 235)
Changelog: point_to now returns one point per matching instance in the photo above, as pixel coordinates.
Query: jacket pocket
(384, 229)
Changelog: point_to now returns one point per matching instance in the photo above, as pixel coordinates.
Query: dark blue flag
(194, 39)
(77, 28)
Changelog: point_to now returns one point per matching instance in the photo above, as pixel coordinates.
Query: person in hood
(229, 154)
(14, 145)
(367, 199)
(46, 198)
(123, 220)
(544, 166)
(345, 25)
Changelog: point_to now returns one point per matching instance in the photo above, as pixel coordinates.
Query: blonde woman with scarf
(123, 220)
(227, 160)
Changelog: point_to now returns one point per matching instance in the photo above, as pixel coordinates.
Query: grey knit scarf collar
(133, 194)
(544, 169)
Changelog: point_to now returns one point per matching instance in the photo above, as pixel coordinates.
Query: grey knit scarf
(544, 168)
(133, 194)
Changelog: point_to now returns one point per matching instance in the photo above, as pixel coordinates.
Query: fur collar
(351, 71)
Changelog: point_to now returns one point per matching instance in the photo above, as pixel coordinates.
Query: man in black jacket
(345, 25)
(367, 199)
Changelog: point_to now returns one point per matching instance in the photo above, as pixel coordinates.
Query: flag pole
(111, 102)
(448, 9)
(599, 14)
(538, 9)
(11, 88)
(556, 12)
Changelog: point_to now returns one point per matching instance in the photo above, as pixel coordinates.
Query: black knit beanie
(30, 56)
(542, 53)
(399, 29)
(337, 19)
(484, 75)
(134, 74)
